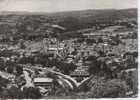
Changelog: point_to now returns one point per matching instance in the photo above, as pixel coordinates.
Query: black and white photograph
(68, 49)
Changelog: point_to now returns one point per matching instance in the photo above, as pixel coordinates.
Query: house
(52, 47)
(43, 82)
(133, 55)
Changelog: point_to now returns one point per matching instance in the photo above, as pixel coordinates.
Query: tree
(3, 83)
(31, 92)
(19, 70)
(10, 69)
(90, 41)
(71, 23)
(66, 68)
(2, 66)
(12, 93)
(116, 40)
(94, 67)
(100, 40)
(10, 66)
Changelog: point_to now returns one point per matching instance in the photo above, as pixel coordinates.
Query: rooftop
(42, 79)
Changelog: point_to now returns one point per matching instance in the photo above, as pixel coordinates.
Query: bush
(13, 93)
(2, 67)
(31, 92)
(94, 67)
(108, 89)
(3, 84)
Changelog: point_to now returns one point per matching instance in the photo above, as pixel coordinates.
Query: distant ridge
(64, 12)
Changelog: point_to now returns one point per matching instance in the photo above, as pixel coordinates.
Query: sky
(64, 5)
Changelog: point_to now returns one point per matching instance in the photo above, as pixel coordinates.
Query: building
(52, 47)
(43, 82)
(79, 75)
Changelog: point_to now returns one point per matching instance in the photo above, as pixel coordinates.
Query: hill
(35, 22)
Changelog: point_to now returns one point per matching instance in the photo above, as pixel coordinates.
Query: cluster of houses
(71, 51)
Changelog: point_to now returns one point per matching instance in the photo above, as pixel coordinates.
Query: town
(40, 58)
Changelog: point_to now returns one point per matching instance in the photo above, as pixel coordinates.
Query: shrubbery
(101, 88)
(16, 93)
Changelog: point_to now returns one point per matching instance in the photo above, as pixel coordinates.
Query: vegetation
(107, 60)
(28, 25)
(108, 88)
